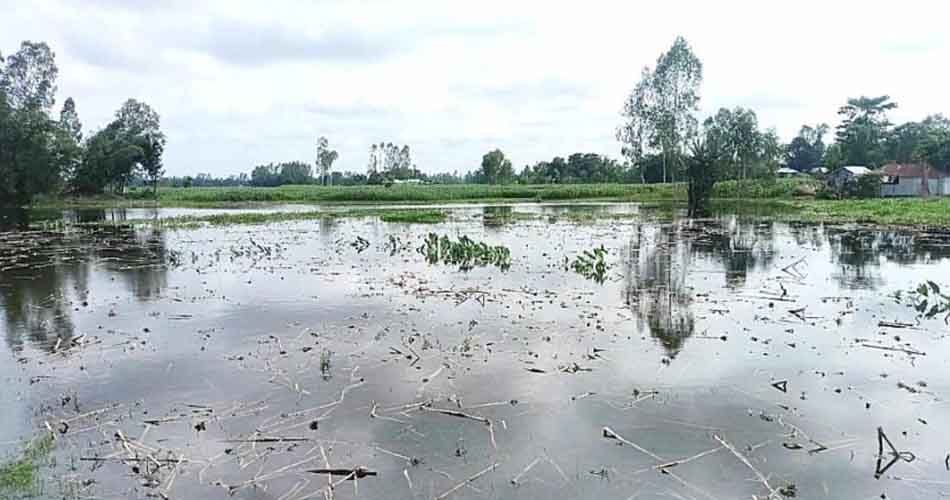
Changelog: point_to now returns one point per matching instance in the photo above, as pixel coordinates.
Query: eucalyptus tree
(28, 151)
(325, 158)
(677, 79)
(660, 111)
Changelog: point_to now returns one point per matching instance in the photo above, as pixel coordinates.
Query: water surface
(205, 362)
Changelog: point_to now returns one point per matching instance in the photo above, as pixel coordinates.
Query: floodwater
(726, 358)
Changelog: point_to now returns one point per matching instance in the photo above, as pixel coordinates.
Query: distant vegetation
(662, 141)
(233, 196)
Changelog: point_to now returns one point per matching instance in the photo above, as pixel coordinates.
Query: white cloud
(238, 83)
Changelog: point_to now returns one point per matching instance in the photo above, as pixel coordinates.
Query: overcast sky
(239, 82)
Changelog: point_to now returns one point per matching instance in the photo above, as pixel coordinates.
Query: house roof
(856, 170)
(786, 170)
(911, 170)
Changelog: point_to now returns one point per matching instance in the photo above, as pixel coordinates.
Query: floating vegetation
(591, 264)
(929, 301)
(19, 476)
(465, 252)
(414, 216)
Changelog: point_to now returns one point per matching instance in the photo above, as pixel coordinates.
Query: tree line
(662, 140)
(40, 153)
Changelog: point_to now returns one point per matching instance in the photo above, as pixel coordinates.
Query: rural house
(913, 179)
(844, 175)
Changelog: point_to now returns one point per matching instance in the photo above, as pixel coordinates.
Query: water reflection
(741, 246)
(657, 261)
(45, 276)
(859, 252)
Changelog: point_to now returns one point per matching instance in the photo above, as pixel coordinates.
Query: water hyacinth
(465, 252)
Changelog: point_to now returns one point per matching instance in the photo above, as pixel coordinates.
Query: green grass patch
(427, 216)
(414, 216)
(456, 193)
(21, 474)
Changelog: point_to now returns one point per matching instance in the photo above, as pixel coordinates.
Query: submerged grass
(21, 474)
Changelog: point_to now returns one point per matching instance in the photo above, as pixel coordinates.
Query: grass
(886, 211)
(460, 193)
(21, 474)
(406, 216)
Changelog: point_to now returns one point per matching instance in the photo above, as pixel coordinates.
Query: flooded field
(635, 357)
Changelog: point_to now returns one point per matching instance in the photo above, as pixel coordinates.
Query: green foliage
(745, 150)
(578, 168)
(807, 150)
(659, 111)
(864, 186)
(929, 301)
(495, 168)
(280, 174)
(325, 159)
(20, 475)
(864, 126)
(414, 216)
(31, 155)
(703, 170)
(388, 161)
(592, 264)
(464, 252)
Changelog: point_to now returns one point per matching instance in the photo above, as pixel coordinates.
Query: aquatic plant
(929, 301)
(464, 252)
(591, 264)
(20, 475)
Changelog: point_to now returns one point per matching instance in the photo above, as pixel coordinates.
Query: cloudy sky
(244, 82)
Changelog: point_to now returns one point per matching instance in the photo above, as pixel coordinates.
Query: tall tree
(496, 168)
(140, 125)
(807, 149)
(29, 79)
(325, 158)
(741, 143)
(864, 126)
(659, 112)
(28, 163)
(677, 78)
(69, 120)
(638, 134)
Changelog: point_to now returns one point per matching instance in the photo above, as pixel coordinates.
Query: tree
(807, 150)
(677, 78)
(140, 125)
(496, 168)
(703, 169)
(28, 149)
(69, 120)
(742, 144)
(29, 79)
(863, 128)
(660, 110)
(638, 134)
(295, 172)
(927, 140)
(325, 159)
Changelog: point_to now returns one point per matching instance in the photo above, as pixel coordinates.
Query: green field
(237, 196)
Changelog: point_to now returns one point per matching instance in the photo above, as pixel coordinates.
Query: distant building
(913, 179)
(787, 172)
(408, 181)
(818, 171)
(844, 175)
